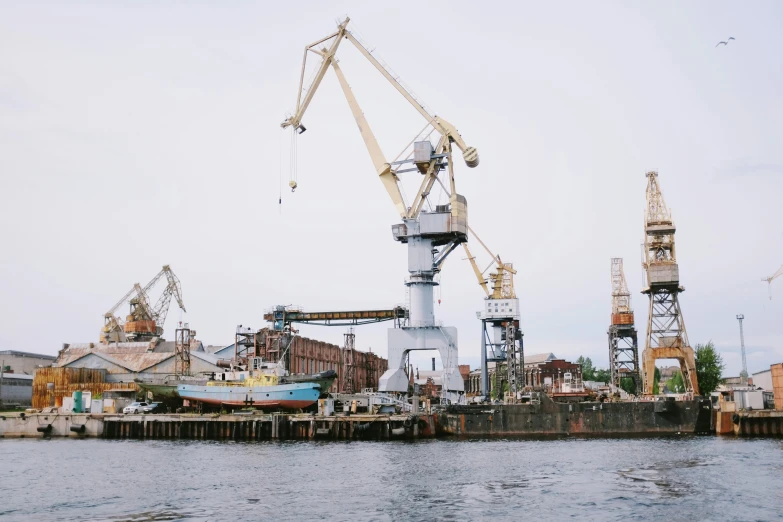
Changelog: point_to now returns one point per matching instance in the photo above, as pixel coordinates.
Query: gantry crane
(772, 278)
(666, 334)
(501, 338)
(430, 236)
(144, 320)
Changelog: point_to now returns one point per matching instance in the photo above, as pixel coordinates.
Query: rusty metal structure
(623, 343)
(144, 321)
(182, 338)
(347, 381)
(268, 344)
(666, 334)
(372, 365)
(50, 385)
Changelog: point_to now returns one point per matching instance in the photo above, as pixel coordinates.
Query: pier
(239, 427)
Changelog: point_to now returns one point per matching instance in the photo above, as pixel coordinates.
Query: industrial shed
(125, 362)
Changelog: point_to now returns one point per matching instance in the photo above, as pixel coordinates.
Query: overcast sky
(137, 134)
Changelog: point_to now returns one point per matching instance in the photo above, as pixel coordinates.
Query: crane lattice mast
(623, 344)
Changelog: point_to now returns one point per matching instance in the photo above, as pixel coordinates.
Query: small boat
(261, 391)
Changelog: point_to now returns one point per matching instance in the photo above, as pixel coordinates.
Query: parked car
(135, 407)
(155, 407)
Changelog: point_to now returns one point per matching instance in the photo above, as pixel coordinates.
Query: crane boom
(384, 169)
(502, 279)
(772, 278)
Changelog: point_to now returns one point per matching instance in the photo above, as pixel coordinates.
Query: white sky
(137, 134)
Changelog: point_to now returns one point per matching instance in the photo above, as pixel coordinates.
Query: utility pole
(744, 373)
(2, 370)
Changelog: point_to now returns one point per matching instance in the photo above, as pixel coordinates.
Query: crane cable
(292, 165)
(280, 175)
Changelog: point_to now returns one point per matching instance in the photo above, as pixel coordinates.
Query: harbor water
(675, 478)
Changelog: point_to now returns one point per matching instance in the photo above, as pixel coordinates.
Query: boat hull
(167, 389)
(292, 396)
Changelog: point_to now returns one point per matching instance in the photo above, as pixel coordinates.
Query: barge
(546, 419)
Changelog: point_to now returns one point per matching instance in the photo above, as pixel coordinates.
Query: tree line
(709, 372)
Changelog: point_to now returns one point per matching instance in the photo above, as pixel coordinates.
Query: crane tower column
(430, 238)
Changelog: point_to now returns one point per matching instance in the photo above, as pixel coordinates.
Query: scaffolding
(347, 381)
(182, 337)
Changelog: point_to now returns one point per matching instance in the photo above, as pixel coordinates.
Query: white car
(135, 407)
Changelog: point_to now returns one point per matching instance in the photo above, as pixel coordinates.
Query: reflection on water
(684, 478)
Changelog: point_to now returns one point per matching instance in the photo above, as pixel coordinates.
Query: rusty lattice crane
(146, 321)
(666, 335)
(623, 344)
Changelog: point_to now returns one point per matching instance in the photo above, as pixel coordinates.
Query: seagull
(726, 42)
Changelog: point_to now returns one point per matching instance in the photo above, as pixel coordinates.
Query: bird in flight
(726, 42)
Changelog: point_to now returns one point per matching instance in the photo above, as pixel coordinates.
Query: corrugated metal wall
(311, 356)
(777, 384)
(68, 380)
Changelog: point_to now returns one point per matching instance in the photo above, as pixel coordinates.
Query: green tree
(626, 383)
(709, 368)
(656, 379)
(602, 375)
(675, 383)
(588, 371)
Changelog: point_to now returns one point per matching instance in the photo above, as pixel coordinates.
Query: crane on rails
(772, 278)
(666, 334)
(144, 320)
(430, 236)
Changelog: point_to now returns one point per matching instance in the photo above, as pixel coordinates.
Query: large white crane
(772, 278)
(430, 236)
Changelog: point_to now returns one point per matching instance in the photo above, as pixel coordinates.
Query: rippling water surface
(689, 478)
